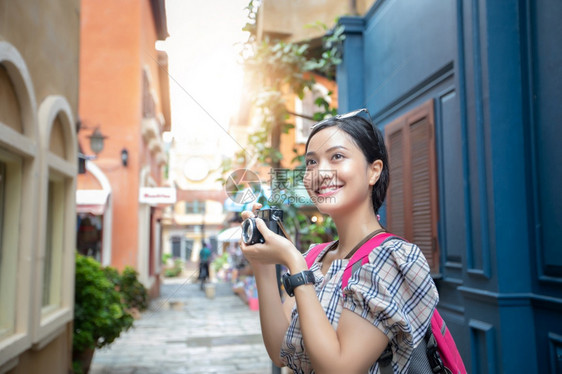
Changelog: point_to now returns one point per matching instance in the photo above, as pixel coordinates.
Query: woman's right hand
(276, 249)
(251, 213)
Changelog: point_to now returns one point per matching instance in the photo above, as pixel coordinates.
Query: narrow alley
(183, 331)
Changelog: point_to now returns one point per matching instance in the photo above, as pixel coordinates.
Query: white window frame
(318, 90)
(10, 238)
(49, 322)
(23, 146)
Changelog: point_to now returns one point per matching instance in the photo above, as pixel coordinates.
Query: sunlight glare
(205, 73)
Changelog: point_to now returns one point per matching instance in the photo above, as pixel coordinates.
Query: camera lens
(250, 233)
(248, 230)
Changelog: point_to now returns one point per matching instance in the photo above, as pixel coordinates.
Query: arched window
(19, 170)
(57, 216)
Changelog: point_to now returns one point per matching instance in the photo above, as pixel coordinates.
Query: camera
(273, 219)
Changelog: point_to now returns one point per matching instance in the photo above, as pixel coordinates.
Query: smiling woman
(386, 303)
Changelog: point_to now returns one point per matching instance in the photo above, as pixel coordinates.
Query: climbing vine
(278, 69)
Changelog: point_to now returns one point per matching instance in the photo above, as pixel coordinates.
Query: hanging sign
(157, 195)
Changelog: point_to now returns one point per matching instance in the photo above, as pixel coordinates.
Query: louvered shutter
(396, 217)
(412, 196)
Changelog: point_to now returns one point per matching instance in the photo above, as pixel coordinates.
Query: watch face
(287, 284)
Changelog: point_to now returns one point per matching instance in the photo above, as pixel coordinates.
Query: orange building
(124, 94)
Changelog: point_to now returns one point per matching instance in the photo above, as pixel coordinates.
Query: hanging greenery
(278, 69)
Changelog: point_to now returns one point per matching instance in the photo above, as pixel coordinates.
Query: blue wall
(494, 71)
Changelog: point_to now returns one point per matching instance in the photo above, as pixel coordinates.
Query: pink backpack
(441, 351)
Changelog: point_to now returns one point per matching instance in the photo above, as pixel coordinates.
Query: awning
(91, 201)
(96, 210)
(232, 234)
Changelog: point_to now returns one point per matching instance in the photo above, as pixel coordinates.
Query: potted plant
(100, 314)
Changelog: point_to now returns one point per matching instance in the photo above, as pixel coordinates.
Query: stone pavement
(185, 332)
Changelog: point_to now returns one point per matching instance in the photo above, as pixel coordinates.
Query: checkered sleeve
(395, 292)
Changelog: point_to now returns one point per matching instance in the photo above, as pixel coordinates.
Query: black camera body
(273, 219)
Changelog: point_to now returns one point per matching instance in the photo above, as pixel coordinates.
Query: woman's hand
(247, 214)
(276, 249)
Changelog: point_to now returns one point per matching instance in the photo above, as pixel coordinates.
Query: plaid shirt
(394, 291)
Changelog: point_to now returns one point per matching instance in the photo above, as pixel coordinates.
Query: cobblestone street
(183, 331)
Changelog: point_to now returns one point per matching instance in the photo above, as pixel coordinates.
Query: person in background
(204, 261)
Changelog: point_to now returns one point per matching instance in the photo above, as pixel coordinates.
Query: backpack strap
(432, 352)
(422, 362)
(361, 257)
(385, 361)
(313, 253)
(447, 349)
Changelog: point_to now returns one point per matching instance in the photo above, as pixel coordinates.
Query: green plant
(219, 262)
(77, 367)
(165, 258)
(112, 274)
(175, 270)
(99, 312)
(133, 291)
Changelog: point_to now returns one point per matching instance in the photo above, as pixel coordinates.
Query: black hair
(370, 141)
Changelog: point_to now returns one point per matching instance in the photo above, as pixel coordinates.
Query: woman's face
(338, 177)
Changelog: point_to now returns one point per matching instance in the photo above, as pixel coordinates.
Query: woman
(390, 299)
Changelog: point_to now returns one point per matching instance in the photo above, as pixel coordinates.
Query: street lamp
(96, 141)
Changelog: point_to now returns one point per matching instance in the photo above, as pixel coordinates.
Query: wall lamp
(96, 141)
(124, 156)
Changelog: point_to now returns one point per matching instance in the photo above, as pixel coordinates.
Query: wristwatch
(290, 282)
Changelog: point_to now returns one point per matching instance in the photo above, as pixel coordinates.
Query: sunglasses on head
(343, 116)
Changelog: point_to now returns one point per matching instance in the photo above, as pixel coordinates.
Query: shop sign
(157, 195)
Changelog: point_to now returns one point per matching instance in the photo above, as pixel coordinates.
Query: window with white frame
(38, 168)
(10, 197)
(307, 107)
(51, 297)
(53, 283)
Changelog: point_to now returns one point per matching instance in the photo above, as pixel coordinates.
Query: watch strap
(293, 281)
